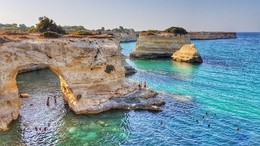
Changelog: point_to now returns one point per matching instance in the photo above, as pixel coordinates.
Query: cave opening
(37, 117)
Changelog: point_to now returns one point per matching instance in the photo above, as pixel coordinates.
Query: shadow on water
(38, 123)
(55, 124)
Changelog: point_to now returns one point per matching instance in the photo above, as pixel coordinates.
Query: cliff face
(128, 37)
(158, 45)
(90, 71)
(79, 63)
(187, 53)
(212, 35)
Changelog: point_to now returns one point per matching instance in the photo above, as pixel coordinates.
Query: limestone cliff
(158, 45)
(90, 71)
(188, 53)
(212, 35)
(129, 37)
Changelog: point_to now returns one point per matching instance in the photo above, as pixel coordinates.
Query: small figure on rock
(140, 85)
(144, 85)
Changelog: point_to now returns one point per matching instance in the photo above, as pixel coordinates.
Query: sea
(213, 103)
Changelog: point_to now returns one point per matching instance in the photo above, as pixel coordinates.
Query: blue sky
(194, 15)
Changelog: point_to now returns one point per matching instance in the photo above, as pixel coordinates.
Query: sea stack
(188, 53)
(158, 45)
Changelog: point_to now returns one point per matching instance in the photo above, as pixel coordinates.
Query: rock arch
(80, 64)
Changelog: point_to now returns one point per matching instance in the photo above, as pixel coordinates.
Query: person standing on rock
(140, 85)
(48, 101)
(144, 85)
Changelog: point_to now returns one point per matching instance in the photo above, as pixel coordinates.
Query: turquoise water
(222, 94)
(226, 84)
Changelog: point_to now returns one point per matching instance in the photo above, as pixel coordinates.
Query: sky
(193, 15)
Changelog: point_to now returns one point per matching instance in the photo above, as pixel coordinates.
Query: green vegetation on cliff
(49, 34)
(15, 26)
(47, 24)
(176, 30)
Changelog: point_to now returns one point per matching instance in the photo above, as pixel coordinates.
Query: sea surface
(215, 103)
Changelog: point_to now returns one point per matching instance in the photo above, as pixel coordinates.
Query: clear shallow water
(226, 87)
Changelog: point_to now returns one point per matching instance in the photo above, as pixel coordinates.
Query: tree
(47, 24)
(22, 27)
(176, 30)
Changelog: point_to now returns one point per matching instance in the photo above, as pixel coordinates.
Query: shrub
(152, 31)
(49, 34)
(109, 68)
(47, 24)
(13, 32)
(176, 30)
(82, 32)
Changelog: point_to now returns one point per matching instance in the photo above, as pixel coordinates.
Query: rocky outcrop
(129, 70)
(158, 45)
(125, 35)
(212, 35)
(32, 67)
(188, 53)
(89, 69)
(128, 36)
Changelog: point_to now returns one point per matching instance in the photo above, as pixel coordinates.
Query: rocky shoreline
(91, 74)
(212, 35)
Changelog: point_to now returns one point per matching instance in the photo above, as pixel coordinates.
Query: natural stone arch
(79, 63)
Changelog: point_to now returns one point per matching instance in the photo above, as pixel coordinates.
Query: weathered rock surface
(128, 37)
(140, 99)
(212, 35)
(158, 45)
(188, 53)
(129, 70)
(89, 69)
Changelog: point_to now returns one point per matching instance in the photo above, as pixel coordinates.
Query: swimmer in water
(48, 101)
(55, 99)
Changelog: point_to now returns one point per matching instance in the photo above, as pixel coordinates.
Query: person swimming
(48, 101)
(55, 99)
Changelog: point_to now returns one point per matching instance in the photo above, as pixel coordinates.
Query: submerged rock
(129, 70)
(24, 95)
(188, 53)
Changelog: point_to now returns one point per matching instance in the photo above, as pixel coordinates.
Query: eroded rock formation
(188, 53)
(212, 35)
(158, 45)
(90, 72)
